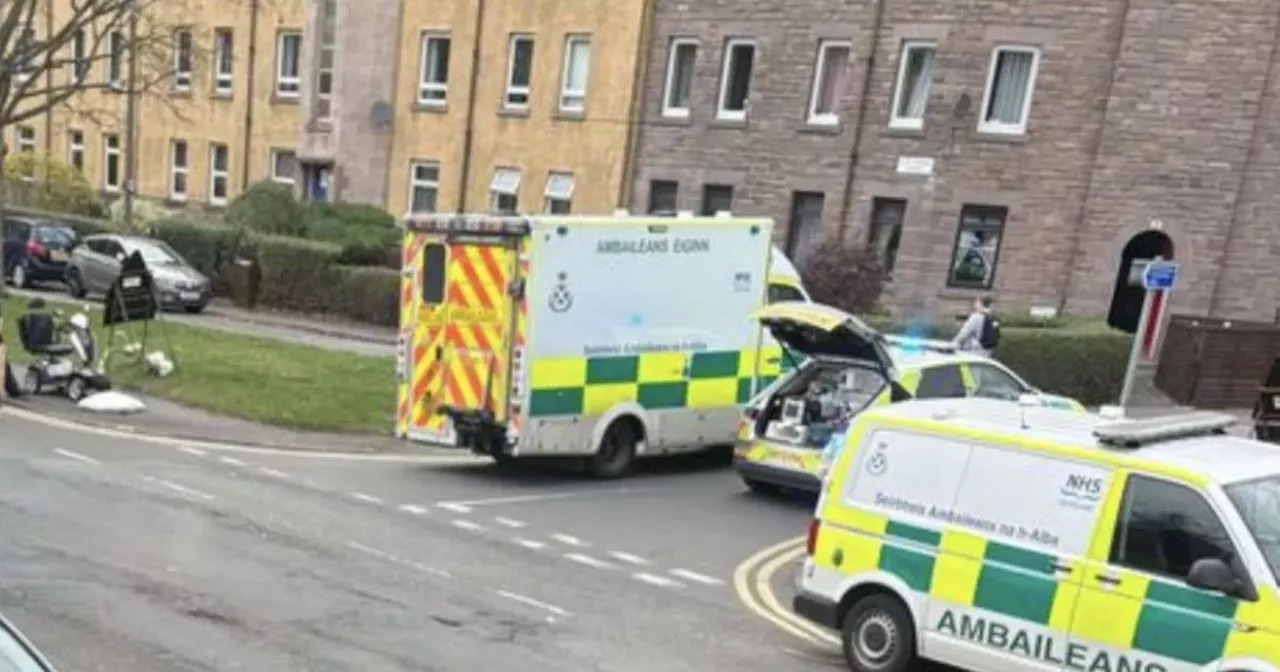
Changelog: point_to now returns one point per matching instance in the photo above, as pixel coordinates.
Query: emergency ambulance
(993, 536)
(600, 338)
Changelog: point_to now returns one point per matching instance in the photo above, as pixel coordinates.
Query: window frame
(675, 197)
(25, 68)
(881, 247)
(673, 51)
(999, 128)
(75, 148)
(581, 39)
(223, 50)
(550, 199)
(24, 138)
(115, 58)
(326, 63)
(183, 73)
(175, 170)
(415, 184)
(80, 62)
(1021, 386)
(511, 89)
(936, 368)
(715, 187)
(812, 117)
(727, 59)
(288, 86)
(425, 87)
(896, 120)
(274, 157)
(109, 152)
(955, 246)
(215, 174)
(495, 195)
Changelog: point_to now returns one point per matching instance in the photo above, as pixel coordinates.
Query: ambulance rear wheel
(879, 635)
(617, 451)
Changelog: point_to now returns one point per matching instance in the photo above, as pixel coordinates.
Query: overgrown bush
(367, 234)
(297, 275)
(843, 273)
(367, 295)
(145, 213)
(207, 247)
(35, 181)
(268, 208)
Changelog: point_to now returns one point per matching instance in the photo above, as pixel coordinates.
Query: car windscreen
(155, 253)
(55, 236)
(1258, 502)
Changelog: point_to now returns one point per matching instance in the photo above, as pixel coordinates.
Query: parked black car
(34, 250)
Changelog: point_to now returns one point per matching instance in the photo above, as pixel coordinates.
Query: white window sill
(433, 102)
(731, 115)
(675, 112)
(1002, 129)
(823, 120)
(906, 124)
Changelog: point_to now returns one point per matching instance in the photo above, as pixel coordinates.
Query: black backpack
(989, 337)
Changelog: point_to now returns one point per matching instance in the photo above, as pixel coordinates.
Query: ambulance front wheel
(879, 635)
(617, 450)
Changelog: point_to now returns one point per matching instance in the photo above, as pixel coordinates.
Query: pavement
(123, 554)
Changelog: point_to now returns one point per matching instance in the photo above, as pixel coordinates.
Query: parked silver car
(95, 263)
(18, 654)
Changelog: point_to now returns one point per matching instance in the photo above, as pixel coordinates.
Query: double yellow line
(753, 582)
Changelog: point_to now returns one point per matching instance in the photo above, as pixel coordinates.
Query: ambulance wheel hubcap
(875, 640)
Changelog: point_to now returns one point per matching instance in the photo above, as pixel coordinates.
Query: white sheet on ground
(112, 401)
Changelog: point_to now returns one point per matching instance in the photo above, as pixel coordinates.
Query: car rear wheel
(20, 279)
(75, 286)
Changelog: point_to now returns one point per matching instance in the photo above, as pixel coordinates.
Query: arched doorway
(1126, 299)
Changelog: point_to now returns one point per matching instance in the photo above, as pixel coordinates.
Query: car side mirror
(1216, 575)
(119, 256)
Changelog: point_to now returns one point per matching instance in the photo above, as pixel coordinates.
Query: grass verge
(257, 379)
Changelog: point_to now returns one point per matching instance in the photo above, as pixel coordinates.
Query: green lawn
(256, 379)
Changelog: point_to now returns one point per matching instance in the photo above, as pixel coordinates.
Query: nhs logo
(1082, 491)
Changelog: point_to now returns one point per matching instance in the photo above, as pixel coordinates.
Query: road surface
(123, 555)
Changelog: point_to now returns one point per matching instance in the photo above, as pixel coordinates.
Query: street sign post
(1158, 279)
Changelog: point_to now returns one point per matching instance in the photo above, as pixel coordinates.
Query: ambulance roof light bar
(446, 223)
(1135, 433)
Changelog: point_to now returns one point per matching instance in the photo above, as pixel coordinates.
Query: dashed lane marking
(509, 522)
(570, 540)
(231, 461)
(193, 451)
(587, 560)
(368, 550)
(368, 499)
(696, 577)
(629, 558)
(465, 506)
(538, 604)
(656, 580)
(274, 473)
(181, 489)
(467, 525)
(454, 507)
(412, 508)
(530, 544)
(72, 455)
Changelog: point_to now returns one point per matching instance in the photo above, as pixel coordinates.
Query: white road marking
(193, 451)
(534, 603)
(696, 577)
(429, 570)
(519, 499)
(274, 473)
(71, 455)
(509, 522)
(467, 525)
(570, 540)
(369, 499)
(357, 546)
(231, 461)
(454, 507)
(181, 489)
(629, 557)
(531, 544)
(656, 580)
(412, 508)
(588, 560)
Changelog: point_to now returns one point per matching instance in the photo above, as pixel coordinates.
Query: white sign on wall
(915, 165)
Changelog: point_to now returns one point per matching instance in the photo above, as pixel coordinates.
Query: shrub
(268, 208)
(145, 213)
(1086, 365)
(367, 295)
(843, 273)
(206, 247)
(297, 275)
(367, 234)
(35, 181)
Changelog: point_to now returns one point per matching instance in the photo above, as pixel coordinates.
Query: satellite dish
(380, 114)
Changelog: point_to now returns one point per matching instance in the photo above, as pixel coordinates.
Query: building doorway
(1127, 297)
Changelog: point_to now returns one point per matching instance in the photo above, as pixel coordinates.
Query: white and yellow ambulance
(987, 536)
(595, 337)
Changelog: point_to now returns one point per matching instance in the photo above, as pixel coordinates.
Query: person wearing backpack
(980, 331)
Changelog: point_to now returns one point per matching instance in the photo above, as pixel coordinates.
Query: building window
(663, 197)
(323, 104)
(219, 173)
(26, 139)
(75, 149)
(424, 186)
(288, 75)
(735, 79)
(977, 248)
(178, 170)
(805, 223)
(716, 198)
(224, 58)
(830, 73)
(884, 236)
(504, 191)
(111, 162)
(519, 72)
(559, 194)
(433, 88)
(79, 56)
(573, 81)
(25, 48)
(115, 59)
(915, 80)
(678, 91)
(1010, 83)
(182, 55)
(284, 166)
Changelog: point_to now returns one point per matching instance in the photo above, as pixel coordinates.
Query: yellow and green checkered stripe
(956, 567)
(655, 381)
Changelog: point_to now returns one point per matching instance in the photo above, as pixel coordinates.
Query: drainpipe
(635, 115)
(1095, 149)
(247, 149)
(468, 135)
(131, 121)
(48, 83)
(864, 96)
(1250, 157)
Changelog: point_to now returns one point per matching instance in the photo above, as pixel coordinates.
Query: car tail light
(36, 250)
(811, 544)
